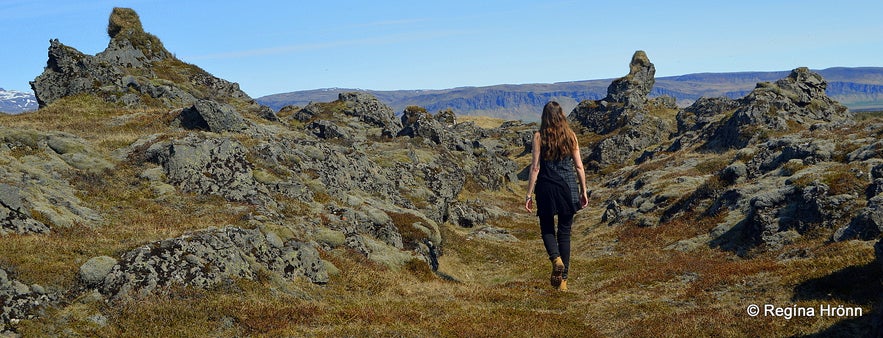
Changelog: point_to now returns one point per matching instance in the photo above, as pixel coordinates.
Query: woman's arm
(534, 171)
(581, 173)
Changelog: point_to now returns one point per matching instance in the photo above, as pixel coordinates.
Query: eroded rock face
(417, 122)
(774, 213)
(134, 70)
(209, 258)
(774, 153)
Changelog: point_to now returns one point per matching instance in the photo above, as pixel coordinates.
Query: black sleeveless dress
(557, 192)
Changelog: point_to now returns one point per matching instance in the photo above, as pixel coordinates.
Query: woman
(554, 170)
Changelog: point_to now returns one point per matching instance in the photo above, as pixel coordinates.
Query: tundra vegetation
(146, 200)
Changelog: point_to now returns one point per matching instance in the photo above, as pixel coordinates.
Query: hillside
(860, 89)
(152, 216)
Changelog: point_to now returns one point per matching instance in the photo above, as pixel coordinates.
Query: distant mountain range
(860, 89)
(14, 102)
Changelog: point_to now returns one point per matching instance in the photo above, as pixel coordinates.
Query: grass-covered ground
(624, 280)
(623, 283)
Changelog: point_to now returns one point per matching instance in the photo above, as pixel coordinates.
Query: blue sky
(273, 47)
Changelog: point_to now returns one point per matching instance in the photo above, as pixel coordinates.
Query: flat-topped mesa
(135, 70)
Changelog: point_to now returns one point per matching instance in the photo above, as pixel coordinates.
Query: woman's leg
(564, 224)
(547, 230)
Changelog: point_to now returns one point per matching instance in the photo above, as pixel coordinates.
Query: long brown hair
(558, 140)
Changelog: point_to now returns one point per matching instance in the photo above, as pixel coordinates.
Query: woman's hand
(584, 200)
(528, 204)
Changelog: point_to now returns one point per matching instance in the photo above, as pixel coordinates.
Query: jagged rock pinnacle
(632, 89)
(126, 33)
(625, 109)
(639, 62)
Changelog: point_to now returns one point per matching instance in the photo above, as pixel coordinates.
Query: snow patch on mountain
(14, 102)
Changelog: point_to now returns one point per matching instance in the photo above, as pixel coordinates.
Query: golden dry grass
(623, 283)
(481, 121)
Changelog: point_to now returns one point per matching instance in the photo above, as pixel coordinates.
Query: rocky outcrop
(19, 301)
(631, 90)
(696, 121)
(417, 122)
(34, 194)
(868, 224)
(134, 70)
(703, 112)
(377, 118)
(772, 154)
(792, 173)
(209, 166)
(211, 116)
(779, 216)
(210, 258)
(370, 110)
(798, 100)
(467, 214)
(14, 216)
(625, 117)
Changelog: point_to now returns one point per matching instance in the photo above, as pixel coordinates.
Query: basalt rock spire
(625, 115)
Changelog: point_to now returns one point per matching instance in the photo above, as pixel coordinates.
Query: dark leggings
(557, 245)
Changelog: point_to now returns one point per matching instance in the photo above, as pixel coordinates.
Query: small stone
(38, 289)
(274, 240)
(20, 288)
(98, 319)
(91, 297)
(154, 174)
(95, 269)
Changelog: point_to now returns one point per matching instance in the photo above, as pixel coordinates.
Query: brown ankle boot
(563, 286)
(557, 272)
